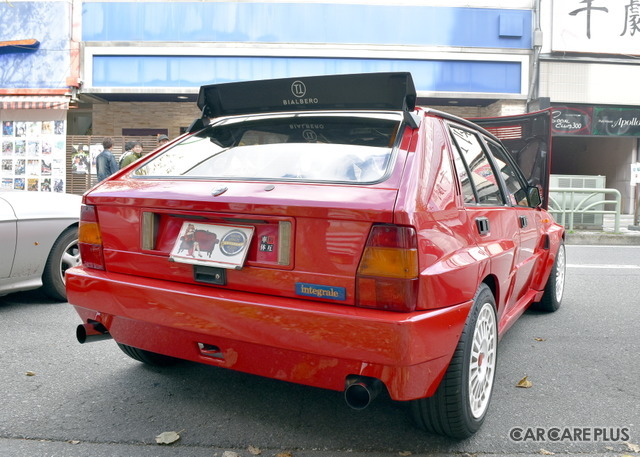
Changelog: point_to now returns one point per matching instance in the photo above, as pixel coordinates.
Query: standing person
(131, 156)
(106, 164)
(163, 139)
(127, 150)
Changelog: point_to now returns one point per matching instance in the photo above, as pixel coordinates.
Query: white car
(39, 241)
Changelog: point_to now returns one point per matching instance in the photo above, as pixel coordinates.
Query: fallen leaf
(254, 450)
(230, 454)
(632, 447)
(167, 437)
(30, 373)
(404, 453)
(545, 452)
(540, 339)
(73, 442)
(284, 454)
(524, 383)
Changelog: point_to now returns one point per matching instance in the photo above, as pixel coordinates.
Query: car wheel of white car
(554, 288)
(64, 254)
(460, 404)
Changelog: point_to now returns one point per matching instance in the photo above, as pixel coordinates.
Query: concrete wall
(110, 118)
(500, 108)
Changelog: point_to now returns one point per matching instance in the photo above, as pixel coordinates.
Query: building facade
(135, 67)
(589, 70)
(37, 63)
(474, 56)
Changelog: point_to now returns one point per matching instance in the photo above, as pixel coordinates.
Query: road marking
(602, 266)
(605, 246)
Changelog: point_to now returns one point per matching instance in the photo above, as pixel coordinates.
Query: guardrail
(568, 205)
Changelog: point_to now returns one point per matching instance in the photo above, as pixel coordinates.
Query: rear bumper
(301, 341)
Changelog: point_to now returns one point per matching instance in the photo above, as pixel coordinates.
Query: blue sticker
(318, 291)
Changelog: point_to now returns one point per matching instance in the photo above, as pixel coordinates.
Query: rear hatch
(280, 205)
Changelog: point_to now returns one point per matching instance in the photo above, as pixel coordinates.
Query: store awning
(34, 102)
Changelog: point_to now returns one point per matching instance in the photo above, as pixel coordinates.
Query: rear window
(301, 147)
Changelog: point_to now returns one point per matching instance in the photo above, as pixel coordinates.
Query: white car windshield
(315, 147)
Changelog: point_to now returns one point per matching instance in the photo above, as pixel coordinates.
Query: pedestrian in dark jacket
(106, 164)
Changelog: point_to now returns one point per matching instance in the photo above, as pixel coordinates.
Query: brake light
(388, 273)
(90, 239)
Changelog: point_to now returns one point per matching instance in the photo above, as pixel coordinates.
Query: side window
(516, 188)
(472, 156)
(468, 194)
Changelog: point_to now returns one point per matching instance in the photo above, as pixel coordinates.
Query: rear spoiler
(367, 91)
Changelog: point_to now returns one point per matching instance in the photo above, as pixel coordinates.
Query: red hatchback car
(323, 231)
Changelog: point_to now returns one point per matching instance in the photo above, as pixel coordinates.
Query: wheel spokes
(70, 258)
(560, 273)
(482, 360)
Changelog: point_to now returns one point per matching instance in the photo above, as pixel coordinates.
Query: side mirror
(534, 197)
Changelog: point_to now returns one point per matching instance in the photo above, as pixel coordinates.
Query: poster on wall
(33, 154)
(83, 160)
(80, 159)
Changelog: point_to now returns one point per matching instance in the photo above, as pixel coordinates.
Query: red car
(323, 231)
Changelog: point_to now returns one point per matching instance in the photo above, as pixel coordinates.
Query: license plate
(223, 246)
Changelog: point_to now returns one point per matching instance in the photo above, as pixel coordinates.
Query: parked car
(39, 232)
(328, 232)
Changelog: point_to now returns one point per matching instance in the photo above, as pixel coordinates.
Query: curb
(603, 238)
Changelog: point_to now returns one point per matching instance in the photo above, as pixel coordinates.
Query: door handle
(482, 224)
(523, 221)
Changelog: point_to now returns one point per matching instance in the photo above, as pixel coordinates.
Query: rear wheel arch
(492, 282)
(554, 288)
(459, 405)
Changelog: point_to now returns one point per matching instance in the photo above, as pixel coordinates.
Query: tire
(147, 357)
(64, 254)
(460, 404)
(554, 289)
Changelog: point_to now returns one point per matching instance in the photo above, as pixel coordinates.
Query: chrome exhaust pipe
(92, 331)
(360, 391)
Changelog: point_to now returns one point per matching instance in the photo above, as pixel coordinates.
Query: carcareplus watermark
(569, 434)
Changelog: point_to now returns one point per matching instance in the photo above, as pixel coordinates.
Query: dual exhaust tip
(359, 391)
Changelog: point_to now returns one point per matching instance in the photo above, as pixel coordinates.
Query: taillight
(90, 239)
(388, 272)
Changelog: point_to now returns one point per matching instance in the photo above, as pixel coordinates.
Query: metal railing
(567, 204)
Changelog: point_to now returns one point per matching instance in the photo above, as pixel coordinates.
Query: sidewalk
(625, 236)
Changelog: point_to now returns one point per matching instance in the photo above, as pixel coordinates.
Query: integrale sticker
(319, 291)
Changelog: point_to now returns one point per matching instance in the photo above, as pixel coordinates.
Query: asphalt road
(63, 399)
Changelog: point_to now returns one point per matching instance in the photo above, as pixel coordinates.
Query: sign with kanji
(596, 26)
